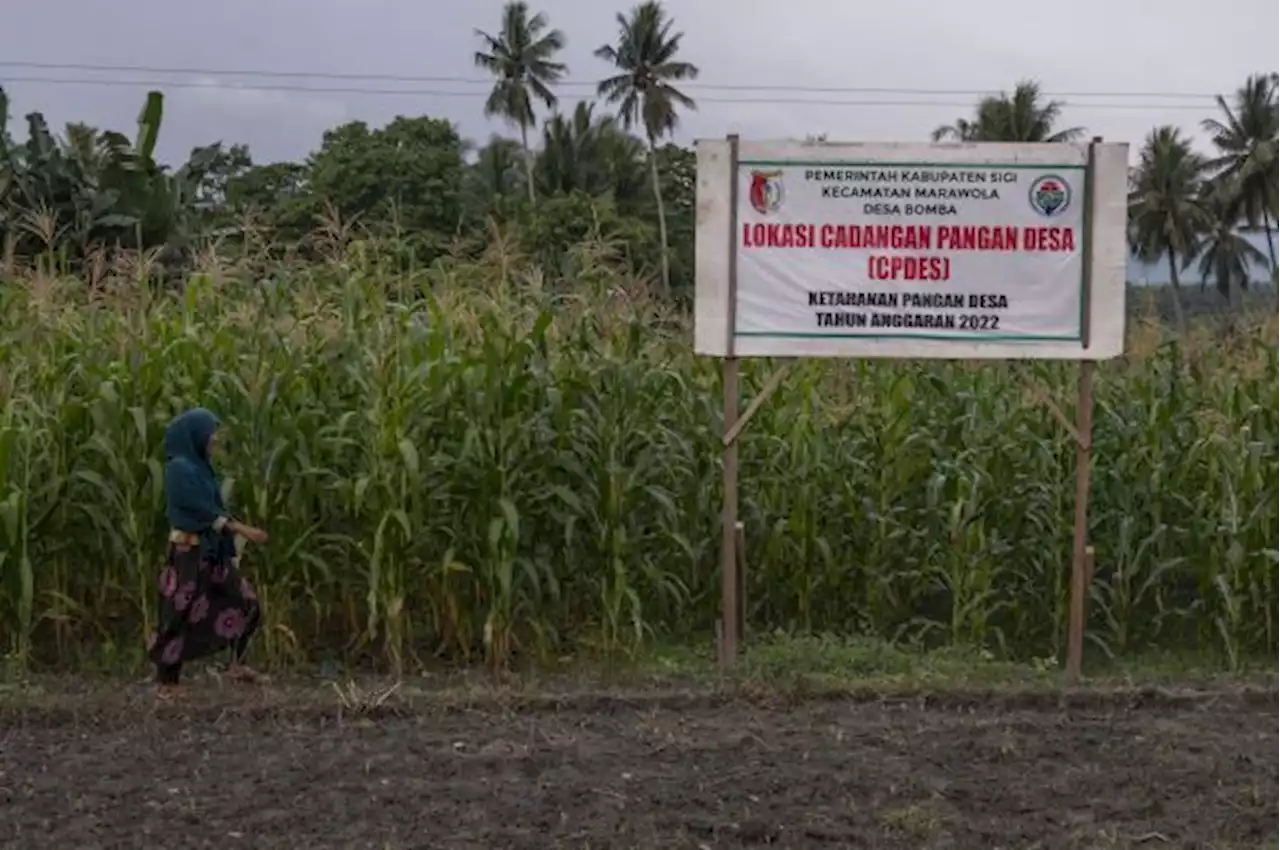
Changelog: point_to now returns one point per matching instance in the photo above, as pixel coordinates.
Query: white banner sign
(911, 250)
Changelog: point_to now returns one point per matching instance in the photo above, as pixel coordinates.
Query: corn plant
(477, 462)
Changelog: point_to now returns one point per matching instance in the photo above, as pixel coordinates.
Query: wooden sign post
(958, 251)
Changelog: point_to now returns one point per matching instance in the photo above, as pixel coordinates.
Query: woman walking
(205, 604)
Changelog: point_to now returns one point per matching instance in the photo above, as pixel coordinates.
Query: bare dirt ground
(290, 767)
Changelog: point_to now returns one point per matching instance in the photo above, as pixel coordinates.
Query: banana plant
(98, 187)
(149, 126)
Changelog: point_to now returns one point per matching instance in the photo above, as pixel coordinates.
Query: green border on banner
(1086, 223)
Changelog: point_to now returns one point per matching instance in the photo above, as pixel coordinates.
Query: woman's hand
(248, 532)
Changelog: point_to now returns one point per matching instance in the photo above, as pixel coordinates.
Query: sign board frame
(718, 243)
(1105, 205)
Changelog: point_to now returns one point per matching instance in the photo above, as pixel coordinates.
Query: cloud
(284, 105)
(906, 44)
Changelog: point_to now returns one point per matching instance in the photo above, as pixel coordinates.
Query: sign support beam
(731, 619)
(1080, 549)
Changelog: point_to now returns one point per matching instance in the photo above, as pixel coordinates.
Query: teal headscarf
(192, 491)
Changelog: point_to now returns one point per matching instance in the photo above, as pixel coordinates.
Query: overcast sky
(1185, 47)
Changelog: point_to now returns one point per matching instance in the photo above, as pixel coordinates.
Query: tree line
(604, 171)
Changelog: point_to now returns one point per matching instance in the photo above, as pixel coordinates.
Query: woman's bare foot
(168, 693)
(247, 675)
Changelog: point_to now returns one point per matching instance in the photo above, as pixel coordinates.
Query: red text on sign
(881, 267)
(896, 237)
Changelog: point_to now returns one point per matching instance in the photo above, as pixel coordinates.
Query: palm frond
(542, 92)
(675, 71)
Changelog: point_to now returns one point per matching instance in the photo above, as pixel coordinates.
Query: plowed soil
(294, 768)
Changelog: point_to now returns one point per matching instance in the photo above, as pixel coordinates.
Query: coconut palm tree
(521, 58)
(1225, 255)
(644, 89)
(1023, 116)
(590, 153)
(1247, 165)
(1167, 210)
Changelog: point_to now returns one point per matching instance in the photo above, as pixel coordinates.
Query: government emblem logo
(766, 191)
(1050, 195)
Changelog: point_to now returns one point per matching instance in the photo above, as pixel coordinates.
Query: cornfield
(468, 463)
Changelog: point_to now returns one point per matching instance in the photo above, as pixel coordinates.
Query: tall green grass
(464, 463)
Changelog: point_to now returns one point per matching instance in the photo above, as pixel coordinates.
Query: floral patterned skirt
(205, 606)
